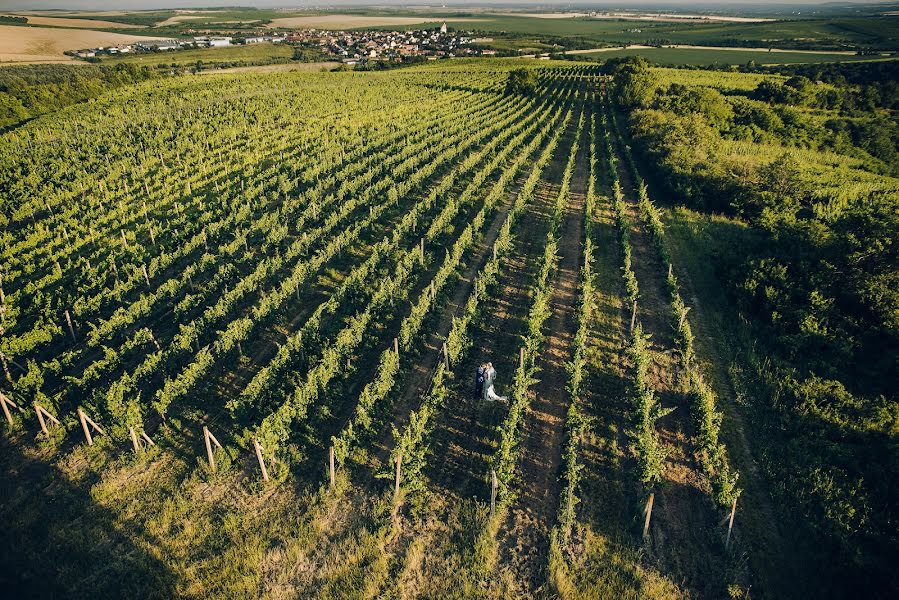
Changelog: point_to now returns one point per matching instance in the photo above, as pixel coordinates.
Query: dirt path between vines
(426, 359)
(464, 430)
(524, 538)
(685, 537)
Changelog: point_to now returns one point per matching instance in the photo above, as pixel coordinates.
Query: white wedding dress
(490, 394)
(489, 391)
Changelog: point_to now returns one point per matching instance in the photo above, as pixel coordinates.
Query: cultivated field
(336, 21)
(697, 55)
(45, 44)
(250, 53)
(76, 23)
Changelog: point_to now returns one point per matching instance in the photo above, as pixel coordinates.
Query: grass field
(338, 21)
(253, 53)
(715, 56)
(832, 34)
(301, 67)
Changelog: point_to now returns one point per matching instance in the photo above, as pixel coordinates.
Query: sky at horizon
(683, 5)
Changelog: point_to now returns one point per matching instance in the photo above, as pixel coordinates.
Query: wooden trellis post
(210, 439)
(69, 323)
(4, 401)
(446, 355)
(669, 270)
(421, 250)
(41, 413)
(648, 511)
(4, 365)
(260, 459)
(634, 316)
(331, 467)
(730, 526)
(143, 269)
(399, 462)
(521, 358)
(136, 441)
(494, 485)
(85, 421)
(396, 347)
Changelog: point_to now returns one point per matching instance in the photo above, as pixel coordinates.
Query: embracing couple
(483, 383)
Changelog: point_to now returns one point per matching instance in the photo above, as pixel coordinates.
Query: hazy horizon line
(542, 6)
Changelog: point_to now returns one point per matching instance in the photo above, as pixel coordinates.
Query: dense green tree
(634, 85)
(521, 81)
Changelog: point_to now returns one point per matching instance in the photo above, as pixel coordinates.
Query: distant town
(349, 47)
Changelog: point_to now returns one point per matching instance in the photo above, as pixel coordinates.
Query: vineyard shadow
(59, 543)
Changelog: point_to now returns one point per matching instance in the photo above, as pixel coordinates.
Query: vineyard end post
(4, 400)
(730, 526)
(634, 316)
(71, 328)
(399, 462)
(648, 511)
(87, 432)
(40, 418)
(331, 466)
(261, 460)
(494, 484)
(134, 441)
(208, 448)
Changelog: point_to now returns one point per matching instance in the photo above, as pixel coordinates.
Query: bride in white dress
(489, 390)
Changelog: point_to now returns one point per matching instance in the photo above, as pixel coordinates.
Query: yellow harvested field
(43, 44)
(178, 19)
(351, 21)
(77, 23)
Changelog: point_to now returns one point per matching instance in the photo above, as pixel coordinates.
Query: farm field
(77, 23)
(878, 33)
(242, 316)
(258, 53)
(716, 56)
(337, 21)
(47, 44)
